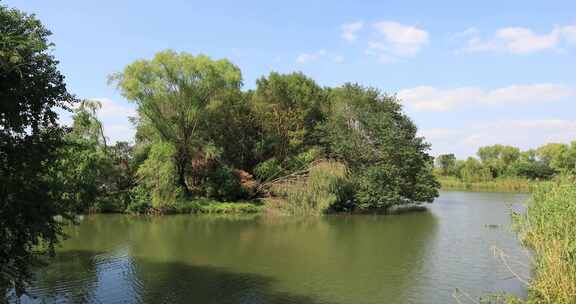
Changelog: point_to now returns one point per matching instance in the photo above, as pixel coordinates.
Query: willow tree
(288, 107)
(172, 92)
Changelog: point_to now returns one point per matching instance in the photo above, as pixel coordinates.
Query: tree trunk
(181, 168)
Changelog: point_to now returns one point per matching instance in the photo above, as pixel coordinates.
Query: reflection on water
(411, 258)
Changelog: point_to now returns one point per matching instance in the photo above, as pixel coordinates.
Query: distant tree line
(506, 161)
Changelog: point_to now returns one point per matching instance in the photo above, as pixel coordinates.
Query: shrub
(140, 201)
(224, 184)
(324, 187)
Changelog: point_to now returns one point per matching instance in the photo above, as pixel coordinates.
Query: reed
(549, 228)
(310, 194)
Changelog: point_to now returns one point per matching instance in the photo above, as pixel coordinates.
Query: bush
(530, 169)
(324, 187)
(110, 204)
(224, 184)
(140, 201)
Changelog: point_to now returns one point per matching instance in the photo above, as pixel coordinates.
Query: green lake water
(420, 257)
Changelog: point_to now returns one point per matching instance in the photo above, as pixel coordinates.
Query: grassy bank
(549, 229)
(200, 206)
(506, 184)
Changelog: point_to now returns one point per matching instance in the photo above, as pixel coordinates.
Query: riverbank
(508, 184)
(205, 206)
(549, 228)
(197, 206)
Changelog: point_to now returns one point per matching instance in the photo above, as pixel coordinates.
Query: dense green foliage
(175, 93)
(388, 162)
(500, 167)
(30, 138)
(92, 175)
(203, 137)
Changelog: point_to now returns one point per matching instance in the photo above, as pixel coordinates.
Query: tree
(560, 157)
(474, 171)
(388, 162)
(446, 163)
(31, 87)
(498, 158)
(173, 92)
(288, 108)
(92, 175)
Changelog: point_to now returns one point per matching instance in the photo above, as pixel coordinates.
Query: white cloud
(394, 39)
(469, 32)
(111, 108)
(338, 59)
(349, 30)
(569, 34)
(428, 98)
(310, 57)
(522, 133)
(119, 132)
(520, 40)
(114, 117)
(437, 133)
(464, 141)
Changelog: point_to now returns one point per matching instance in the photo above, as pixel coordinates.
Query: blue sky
(469, 74)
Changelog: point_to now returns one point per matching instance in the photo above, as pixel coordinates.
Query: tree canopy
(173, 93)
(506, 161)
(219, 139)
(31, 87)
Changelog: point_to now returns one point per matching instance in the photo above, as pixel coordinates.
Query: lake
(419, 257)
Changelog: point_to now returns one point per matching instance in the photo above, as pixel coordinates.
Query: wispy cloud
(111, 108)
(338, 59)
(349, 30)
(310, 57)
(393, 39)
(429, 98)
(520, 40)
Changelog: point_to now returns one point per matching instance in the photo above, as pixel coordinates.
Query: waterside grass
(205, 206)
(505, 184)
(549, 228)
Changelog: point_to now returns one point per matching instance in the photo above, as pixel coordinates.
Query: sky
(469, 73)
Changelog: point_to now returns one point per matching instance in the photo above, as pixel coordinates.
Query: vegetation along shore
(503, 168)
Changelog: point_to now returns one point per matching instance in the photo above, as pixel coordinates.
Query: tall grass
(549, 229)
(504, 184)
(311, 194)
